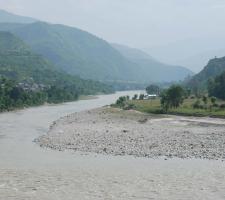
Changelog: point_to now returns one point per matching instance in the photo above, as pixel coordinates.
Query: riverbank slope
(117, 132)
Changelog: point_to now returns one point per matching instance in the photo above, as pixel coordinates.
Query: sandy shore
(116, 132)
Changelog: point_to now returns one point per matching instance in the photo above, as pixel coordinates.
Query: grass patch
(186, 109)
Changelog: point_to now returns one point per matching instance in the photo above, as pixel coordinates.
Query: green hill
(32, 73)
(151, 69)
(77, 52)
(214, 68)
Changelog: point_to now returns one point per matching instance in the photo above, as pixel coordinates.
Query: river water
(30, 172)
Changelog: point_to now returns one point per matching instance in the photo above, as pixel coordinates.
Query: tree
(141, 96)
(172, 97)
(153, 89)
(135, 97)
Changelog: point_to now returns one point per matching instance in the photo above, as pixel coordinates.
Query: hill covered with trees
(77, 52)
(29, 75)
(214, 68)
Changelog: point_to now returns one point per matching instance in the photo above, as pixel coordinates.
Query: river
(30, 172)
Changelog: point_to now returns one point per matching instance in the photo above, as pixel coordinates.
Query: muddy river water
(30, 172)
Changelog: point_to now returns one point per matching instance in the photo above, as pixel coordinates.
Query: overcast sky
(138, 23)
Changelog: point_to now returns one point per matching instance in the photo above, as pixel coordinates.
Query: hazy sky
(138, 23)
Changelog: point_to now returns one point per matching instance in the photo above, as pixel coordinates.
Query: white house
(150, 96)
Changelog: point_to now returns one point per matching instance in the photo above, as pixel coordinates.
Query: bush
(197, 104)
(121, 101)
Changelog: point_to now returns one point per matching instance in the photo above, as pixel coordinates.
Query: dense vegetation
(34, 79)
(12, 96)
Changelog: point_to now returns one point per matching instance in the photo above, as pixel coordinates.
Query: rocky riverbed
(112, 131)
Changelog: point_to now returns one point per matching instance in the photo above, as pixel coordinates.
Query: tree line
(12, 95)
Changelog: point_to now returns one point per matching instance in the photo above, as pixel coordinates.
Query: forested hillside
(31, 74)
(77, 52)
(214, 68)
(80, 53)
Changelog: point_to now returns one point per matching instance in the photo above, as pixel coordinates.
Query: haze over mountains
(183, 33)
(193, 53)
(80, 53)
(150, 68)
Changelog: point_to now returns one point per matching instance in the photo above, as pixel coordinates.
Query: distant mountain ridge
(132, 53)
(80, 53)
(150, 68)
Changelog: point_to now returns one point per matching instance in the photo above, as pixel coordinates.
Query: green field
(153, 106)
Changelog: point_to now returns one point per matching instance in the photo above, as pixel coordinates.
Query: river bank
(30, 172)
(117, 132)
